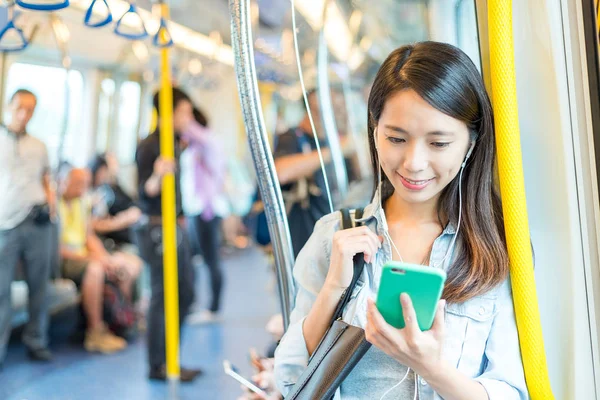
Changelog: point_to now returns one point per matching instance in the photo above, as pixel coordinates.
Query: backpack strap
(359, 263)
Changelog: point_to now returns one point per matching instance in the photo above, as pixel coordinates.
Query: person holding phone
(431, 138)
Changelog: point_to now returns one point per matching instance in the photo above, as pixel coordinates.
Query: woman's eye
(440, 145)
(395, 140)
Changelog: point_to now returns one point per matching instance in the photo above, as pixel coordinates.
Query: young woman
(431, 135)
(204, 204)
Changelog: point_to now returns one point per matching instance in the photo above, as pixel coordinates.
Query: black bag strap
(359, 264)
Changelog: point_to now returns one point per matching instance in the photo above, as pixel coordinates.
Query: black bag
(40, 214)
(341, 348)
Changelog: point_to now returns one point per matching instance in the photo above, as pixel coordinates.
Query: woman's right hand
(163, 166)
(346, 244)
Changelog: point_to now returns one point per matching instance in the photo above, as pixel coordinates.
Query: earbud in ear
(470, 151)
(468, 154)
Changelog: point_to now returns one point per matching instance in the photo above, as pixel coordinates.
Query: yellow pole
(169, 222)
(512, 188)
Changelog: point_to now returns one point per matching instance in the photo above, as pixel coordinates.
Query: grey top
(23, 164)
(366, 382)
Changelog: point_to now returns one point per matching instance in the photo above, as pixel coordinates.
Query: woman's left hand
(420, 351)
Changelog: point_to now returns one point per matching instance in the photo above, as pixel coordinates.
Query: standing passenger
(204, 203)
(26, 206)
(151, 170)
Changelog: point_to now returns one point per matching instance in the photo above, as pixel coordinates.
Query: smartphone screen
(232, 371)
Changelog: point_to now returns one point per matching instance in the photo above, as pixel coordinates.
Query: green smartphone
(423, 284)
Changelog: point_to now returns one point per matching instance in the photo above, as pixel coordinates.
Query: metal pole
(169, 222)
(329, 125)
(3, 76)
(61, 43)
(115, 113)
(241, 37)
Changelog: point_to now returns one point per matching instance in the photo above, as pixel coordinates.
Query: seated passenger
(113, 211)
(264, 377)
(431, 136)
(88, 264)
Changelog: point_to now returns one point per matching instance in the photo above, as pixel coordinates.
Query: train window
(467, 37)
(105, 102)
(48, 83)
(125, 141)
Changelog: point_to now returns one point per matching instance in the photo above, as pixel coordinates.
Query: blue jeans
(31, 244)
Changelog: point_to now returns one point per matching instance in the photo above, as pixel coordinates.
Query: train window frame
(591, 76)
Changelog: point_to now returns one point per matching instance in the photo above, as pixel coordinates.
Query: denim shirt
(481, 338)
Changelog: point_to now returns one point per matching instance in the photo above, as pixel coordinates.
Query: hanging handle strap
(43, 7)
(11, 27)
(167, 39)
(141, 35)
(90, 13)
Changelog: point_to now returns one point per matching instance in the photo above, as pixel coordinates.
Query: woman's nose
(415, 158)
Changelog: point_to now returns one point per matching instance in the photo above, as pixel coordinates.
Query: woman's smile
(416, 185)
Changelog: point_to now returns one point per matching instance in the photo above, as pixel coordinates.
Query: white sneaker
(203, 317)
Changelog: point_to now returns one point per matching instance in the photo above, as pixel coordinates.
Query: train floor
(248, 303)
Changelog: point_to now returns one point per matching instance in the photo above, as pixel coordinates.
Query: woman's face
(420, 148)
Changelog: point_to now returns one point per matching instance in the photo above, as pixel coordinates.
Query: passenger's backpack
(119, 313)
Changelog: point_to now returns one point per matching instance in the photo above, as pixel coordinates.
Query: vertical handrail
(168, 205)
(241, 38)
(364, 162)
(61, 42)
(329, 125)
(514, 204)
(3, 77)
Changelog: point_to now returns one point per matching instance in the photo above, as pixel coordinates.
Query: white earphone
(450, 250)
(468, 154)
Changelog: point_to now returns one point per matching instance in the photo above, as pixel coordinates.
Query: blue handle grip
(43, 7)
(163, 27)
(8, 27)
(139, 36)
(89, 14)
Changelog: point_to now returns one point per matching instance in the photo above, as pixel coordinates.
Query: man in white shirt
(26, 207)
